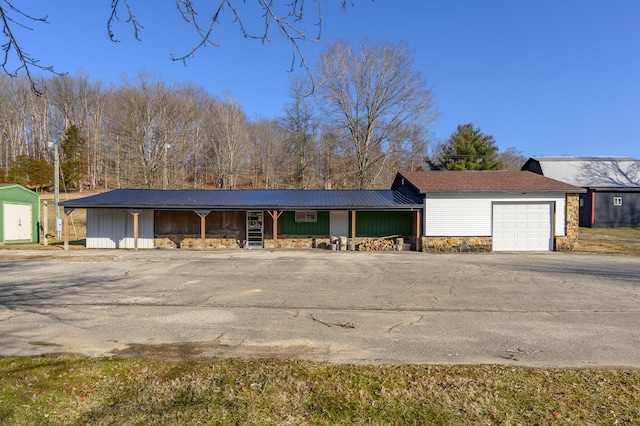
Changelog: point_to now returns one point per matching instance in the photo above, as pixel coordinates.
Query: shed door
(522, 227)
(17, 222)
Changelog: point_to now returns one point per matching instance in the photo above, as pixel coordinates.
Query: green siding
(16, 194)
(379, 224)
(368, 224)
(288, 226)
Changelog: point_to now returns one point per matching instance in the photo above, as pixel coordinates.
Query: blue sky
(548, 77)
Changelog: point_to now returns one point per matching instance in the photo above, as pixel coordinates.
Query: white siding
(111, 228)
(466, 215)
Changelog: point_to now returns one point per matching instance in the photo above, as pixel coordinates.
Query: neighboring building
(19, 215)
(142, 218)
(493, 210)
(612, 197)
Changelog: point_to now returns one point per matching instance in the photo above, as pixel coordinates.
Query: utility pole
(56, 176)
(56, 186)
(165, 174)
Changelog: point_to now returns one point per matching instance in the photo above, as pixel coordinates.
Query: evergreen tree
(467, 149)
(72, 157)
(19, 170)
(31, 173)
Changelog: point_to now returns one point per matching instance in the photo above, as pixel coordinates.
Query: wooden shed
(19, 215)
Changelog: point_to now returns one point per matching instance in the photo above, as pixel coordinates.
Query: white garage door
(17, 222)
(522, 227)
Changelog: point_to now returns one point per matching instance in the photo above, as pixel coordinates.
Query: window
(617, 201)
(306, 216)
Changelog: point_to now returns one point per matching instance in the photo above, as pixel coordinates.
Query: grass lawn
(612, 241)
(101, 391)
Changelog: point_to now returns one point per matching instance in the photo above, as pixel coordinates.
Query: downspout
(593, 206)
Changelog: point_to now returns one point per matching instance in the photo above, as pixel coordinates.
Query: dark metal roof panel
(276, 199)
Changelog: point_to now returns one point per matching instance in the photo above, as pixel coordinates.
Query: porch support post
(203, 233)
(353, 230)
(136, 214)
(275, 215)
(203, 225)
(418, 230)
(65, 228)
(135, 230)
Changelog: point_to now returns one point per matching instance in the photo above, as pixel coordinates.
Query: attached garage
(522, 226)
(493, 210)
(19, 215)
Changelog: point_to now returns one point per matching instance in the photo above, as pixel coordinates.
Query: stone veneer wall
(570, 241)
(456, 244)
(298, 242)
(196, 242)
(225, 242)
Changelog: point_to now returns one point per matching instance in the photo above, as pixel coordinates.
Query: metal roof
(264, 199)
(590, 172)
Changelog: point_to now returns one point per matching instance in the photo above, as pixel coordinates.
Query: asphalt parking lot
(540, 309)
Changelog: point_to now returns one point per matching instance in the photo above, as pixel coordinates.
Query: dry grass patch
(69, 390)
(624, 241)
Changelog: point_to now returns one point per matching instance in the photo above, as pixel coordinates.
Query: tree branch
(25, 61)
(288, 23)
(137, 26)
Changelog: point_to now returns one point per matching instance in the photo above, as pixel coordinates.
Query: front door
(339, 223)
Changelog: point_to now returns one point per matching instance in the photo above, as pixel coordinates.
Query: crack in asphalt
(401, 323)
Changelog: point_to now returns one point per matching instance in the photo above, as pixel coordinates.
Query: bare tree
(72, 98)
(12, 117)
(26, 124)
(512, 159)
(301, 126)
(267, 141)
(226, 141)
(374, 95)
(334, 165)
(148, 121)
